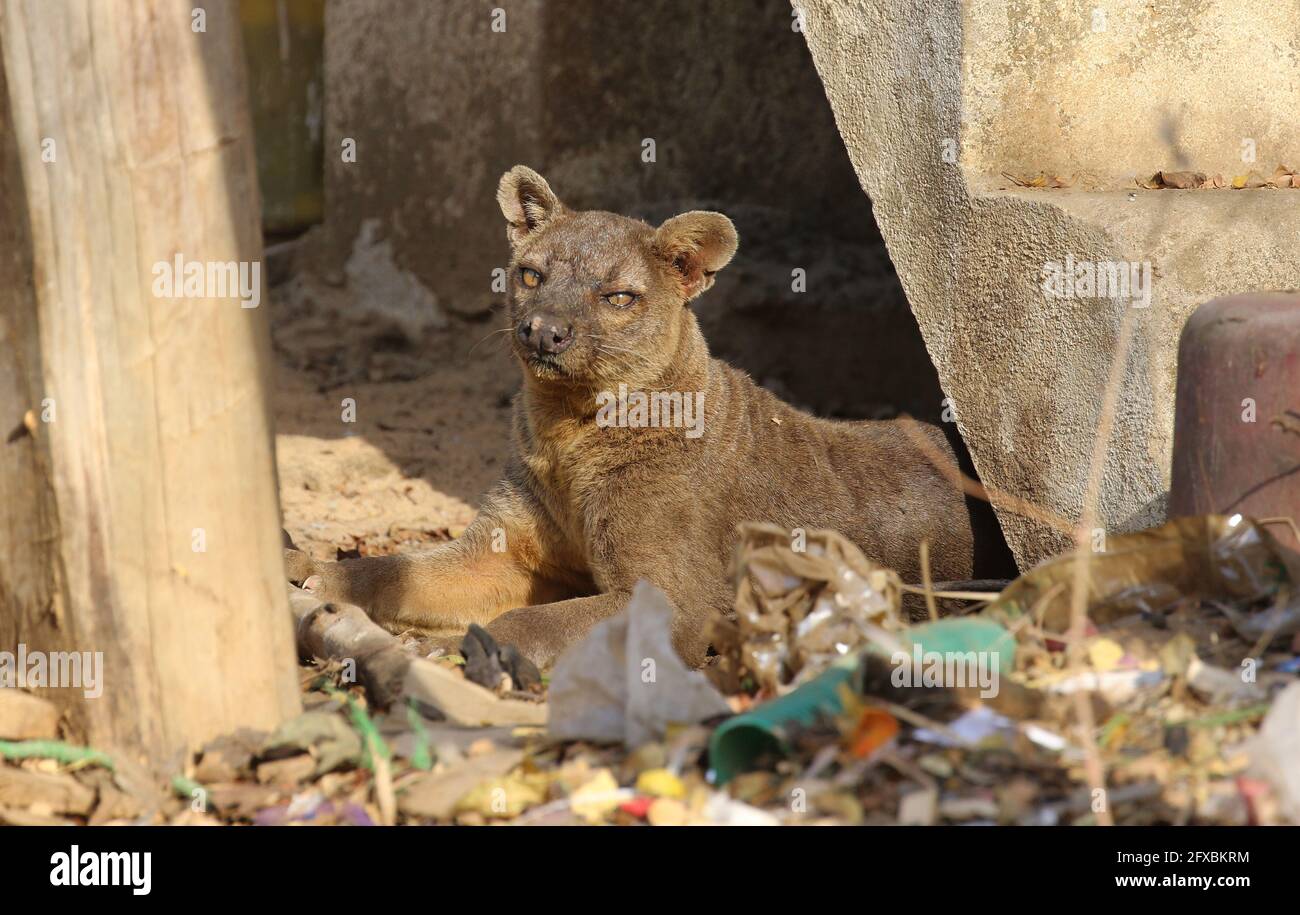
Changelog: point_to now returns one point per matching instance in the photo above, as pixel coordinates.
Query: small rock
(188, 817)
(435, 795)
(240, 801)
(918, 808)
(50, 792)
(667, 812)
(842, 805)
(33, 816)
(1016, 800)
(27, 717)
(721, 810)
(753, 787)
(936, 765)
(968, 808)
(114, 806)
(288, 772)
(227, 758)
(647, 756)
(598, 798)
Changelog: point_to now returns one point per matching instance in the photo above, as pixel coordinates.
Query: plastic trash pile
(1158, 682)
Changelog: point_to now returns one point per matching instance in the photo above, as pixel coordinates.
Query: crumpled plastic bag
(1231, 559)
(1281, 619)
(325, 735)
(800, 610)
(1275, 751)
(604, 689)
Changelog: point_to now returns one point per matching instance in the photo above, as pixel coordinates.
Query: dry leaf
(1041, 180)
(1177, 180)
(1182, 180)
(1284, 177)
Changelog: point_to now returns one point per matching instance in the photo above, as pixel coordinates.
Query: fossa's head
(600, 298)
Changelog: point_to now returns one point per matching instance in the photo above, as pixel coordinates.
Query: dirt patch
(382, 441)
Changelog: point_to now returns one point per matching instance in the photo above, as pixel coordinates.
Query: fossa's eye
(620, 299)
(530, 277)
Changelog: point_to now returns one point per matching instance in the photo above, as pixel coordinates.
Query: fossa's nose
(546, 333)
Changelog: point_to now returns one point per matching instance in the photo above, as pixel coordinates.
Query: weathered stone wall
(936, 98)
(439, 105)
(1120, 88)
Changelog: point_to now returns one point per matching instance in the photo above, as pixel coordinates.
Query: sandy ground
(430, 431)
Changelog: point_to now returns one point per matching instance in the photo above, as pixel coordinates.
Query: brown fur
(585, 510)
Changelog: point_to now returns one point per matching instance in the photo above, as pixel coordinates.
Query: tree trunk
(138, 506)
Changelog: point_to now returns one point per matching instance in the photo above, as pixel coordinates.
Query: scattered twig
(930, 605)
(1081, 584)
(974, 488)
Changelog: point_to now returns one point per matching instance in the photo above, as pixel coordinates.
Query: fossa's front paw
(540, 648)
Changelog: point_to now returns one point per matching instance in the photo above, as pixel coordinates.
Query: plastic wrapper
(598, 691)
(1229, 559)
(800, 606)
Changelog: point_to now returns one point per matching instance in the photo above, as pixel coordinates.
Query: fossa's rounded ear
(527, 202)
(696, 245)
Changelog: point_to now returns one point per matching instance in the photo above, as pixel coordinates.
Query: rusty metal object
(1237, 418)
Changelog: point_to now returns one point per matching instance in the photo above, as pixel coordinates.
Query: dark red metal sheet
(1237, 416)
